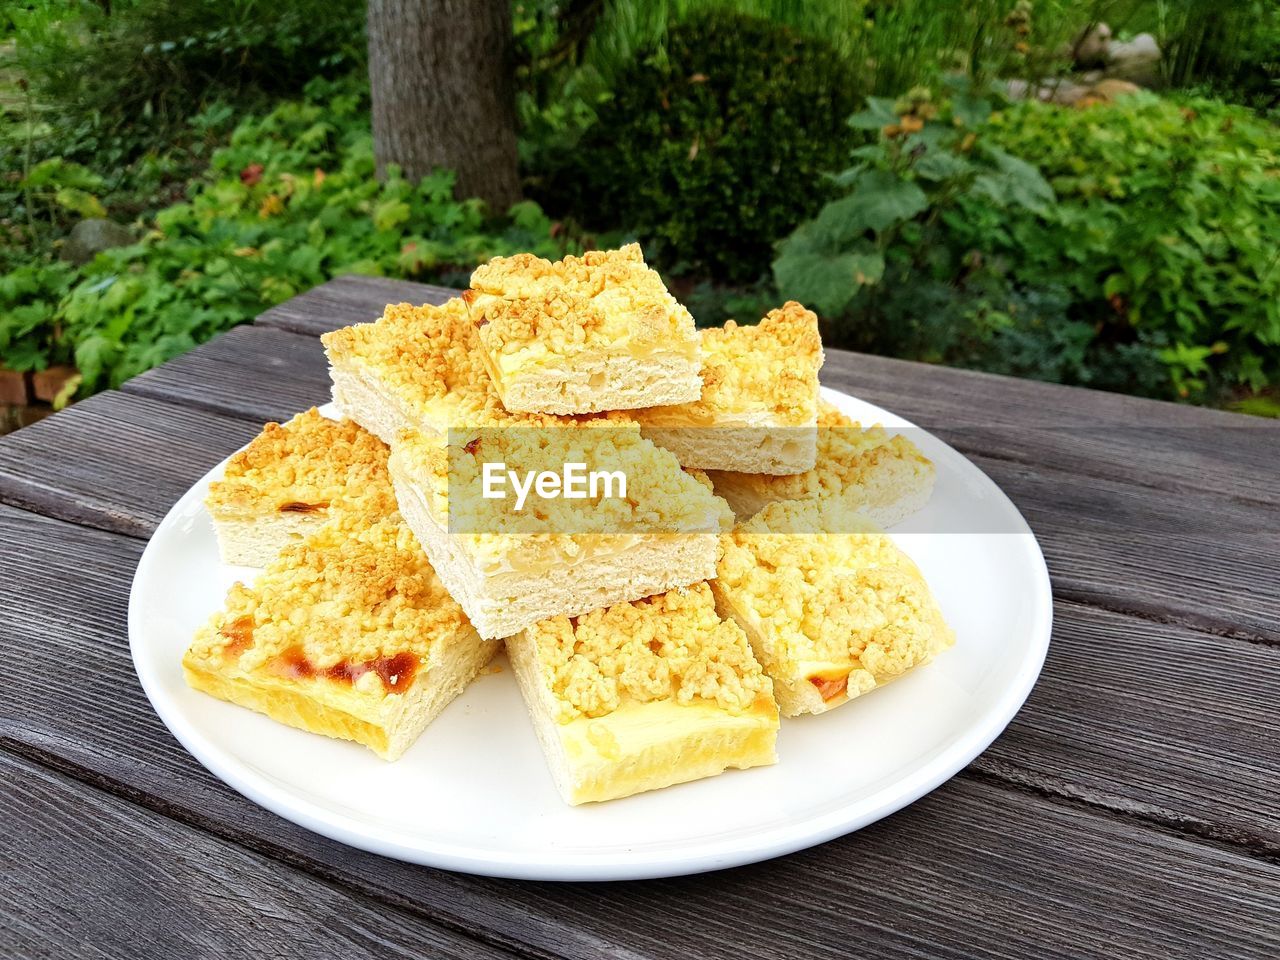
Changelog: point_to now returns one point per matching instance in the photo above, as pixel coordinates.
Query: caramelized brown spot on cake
(294, 665)
(296, 506)
(346, 672)
(396, 672)
(829, 689)
(240, 634)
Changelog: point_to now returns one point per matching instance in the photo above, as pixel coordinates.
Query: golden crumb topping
(671, 646)
(307, 465)
(769, 368)
(851, 599)
(356, 603)
(848, 456)
(426, 355)
(527, 309)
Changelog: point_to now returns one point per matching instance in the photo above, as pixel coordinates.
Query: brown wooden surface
(1131, 809)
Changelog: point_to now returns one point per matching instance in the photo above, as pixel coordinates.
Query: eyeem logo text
(575, 482)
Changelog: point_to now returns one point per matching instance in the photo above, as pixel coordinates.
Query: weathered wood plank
(91, 875)
(346, 300)
(1185, 557)
(1129, 714)
(256, 372)
(1163, 446)
(115, 461)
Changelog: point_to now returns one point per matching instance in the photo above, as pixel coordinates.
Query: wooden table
(1132, 809)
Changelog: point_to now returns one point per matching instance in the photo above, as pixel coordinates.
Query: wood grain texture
(92, 875)
(1185, 557)
(1161, 446)
(256, 372)
(1150, 719)
(114, 461)
(346, 300)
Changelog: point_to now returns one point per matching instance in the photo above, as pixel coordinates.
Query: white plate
(473, 794)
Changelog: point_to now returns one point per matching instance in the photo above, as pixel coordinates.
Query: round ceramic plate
(473, 794)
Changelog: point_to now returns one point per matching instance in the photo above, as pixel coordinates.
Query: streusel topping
(357, 602)
(671, 646)
(851, 598)
(307, 465)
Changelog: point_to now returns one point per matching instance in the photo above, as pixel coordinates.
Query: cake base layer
(601, 383)
(640, 746)
(776, 451)
(256, 541)
(503, 603)
(387, 728)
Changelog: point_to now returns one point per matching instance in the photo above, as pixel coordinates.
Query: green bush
(1165, 233)
(714, 148)
(1128, 246)
(289, 203)
(115, 83)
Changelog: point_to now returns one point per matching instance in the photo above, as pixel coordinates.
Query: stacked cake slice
(653, 641)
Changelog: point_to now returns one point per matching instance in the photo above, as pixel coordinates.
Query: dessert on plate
(758, 409)
(349, 634)
(881, 476)
(583, 334)
(643, 695)
(416, 368)
(289, 480)
(512, 565)
(830, 616)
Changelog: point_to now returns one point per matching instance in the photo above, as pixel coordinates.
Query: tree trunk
(440, 72)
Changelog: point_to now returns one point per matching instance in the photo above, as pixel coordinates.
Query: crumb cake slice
(584, 334)
(643, 695)
(830, 616)
(287, 482)
(510, 568)
(759, 403)
(349, 634)
(417, 368)
(881, 476)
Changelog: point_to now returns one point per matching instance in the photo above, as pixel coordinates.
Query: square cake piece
(511, 565)
(830, 616)
(348, 634)
(289, 480)
(644, 695)
(417, 368)
(759, 403)
(880, 476)
(584, 334)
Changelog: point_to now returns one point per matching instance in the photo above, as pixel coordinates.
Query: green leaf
(885, 200)
(939, 165)
(390, 214)
(827, 283)
(95, 354)
(1018, 183)
(79, 201)
(878, 113)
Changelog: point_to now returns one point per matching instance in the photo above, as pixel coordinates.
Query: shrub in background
(714, 147)
(116, 83)
(289, 203)
(1164, 234)
(1128, 246)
